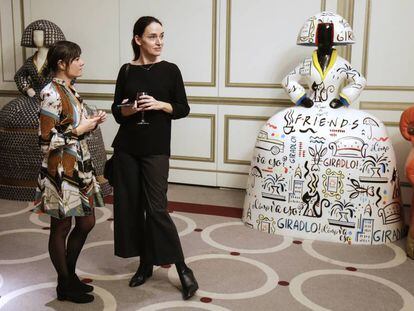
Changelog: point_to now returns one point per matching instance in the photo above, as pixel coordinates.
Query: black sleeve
(119, 97)
(22, 79)
(179, 104)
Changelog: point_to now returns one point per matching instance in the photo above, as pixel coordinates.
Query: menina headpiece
(343, 33)
(52, 33)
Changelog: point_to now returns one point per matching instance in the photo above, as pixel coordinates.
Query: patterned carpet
(237, 268)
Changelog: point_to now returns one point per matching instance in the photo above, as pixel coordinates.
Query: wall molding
(228, 82)
(6, 93)
(14, 45)
(207, 170)
(386, 106)
(212, 157)
(213, 79)
(391, 124)
(346, 10)
(365, 53)
(239, 101)
(227, 119)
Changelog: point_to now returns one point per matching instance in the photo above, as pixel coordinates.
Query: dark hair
(139, 29)
(65, 51)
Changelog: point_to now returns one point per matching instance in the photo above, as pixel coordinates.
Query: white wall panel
(390, 44)
(93, 24)
(8, 55)
(237, 132)
(193, 138)
(241, 132)
(188, 33)
(263, 38)
(192, 176)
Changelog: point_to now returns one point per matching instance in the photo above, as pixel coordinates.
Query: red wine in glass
(142, 121)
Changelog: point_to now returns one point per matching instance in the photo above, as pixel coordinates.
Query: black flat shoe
(188, 283)
(74, 297)
(68, 290)
(143, 273)
(82, 286)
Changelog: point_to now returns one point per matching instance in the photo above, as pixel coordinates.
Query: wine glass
(142, 121)
(92, 111)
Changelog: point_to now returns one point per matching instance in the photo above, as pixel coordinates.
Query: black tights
(64, 255)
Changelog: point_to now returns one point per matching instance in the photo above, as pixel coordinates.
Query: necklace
(147, 68)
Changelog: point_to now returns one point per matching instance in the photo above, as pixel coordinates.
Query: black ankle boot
(82, 286)
(188, 282)
(143, 273)
(67, 290)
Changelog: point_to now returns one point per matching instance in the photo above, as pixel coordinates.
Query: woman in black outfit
(142, 225)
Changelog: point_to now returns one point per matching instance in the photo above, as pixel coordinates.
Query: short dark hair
(65, 51)
(139, 29)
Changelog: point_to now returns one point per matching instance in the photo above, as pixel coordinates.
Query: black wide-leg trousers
(142, 225)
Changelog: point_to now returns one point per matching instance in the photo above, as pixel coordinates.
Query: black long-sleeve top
(162, 81)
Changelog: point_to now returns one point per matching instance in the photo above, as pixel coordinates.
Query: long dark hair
(139, 29)
(65, 51)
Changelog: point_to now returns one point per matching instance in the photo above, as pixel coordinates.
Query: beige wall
(233, 55)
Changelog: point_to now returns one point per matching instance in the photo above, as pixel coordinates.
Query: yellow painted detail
(346, 97)
(318, 66)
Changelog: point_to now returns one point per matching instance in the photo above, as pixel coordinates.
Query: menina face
(74, 69)
(152, 40)
(38, 38)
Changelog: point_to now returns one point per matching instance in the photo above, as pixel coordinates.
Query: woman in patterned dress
(67, 183)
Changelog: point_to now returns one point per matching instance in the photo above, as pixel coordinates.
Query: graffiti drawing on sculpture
(321, 169)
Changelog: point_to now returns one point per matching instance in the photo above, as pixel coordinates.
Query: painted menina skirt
(324, 174)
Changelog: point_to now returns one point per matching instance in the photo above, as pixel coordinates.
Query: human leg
(75, 244)
(59, 230)
(162, 240)
(67, 288)
(128, 217)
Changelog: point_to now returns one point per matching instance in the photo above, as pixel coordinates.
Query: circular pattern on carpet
(271, 275)
(109, 301)
(205, 235)
(191, 225)
(399, 258)
(179, 303)
(103, 277)
(296, 287)
(27, 259)
(26, 209)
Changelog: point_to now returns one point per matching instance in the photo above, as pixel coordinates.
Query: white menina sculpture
(322, 170)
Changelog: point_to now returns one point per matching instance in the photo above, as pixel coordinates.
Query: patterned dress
(67, 184)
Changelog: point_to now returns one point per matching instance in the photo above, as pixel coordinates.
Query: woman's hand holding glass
(102, 116)
(93, 112)
(91, 120)
(87, 125)
(147, 102)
